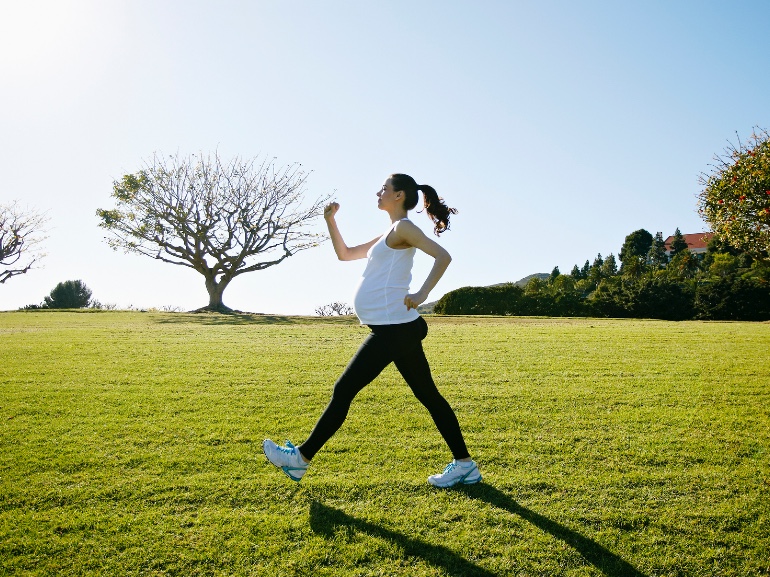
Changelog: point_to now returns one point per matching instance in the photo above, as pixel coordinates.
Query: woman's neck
(396, 215)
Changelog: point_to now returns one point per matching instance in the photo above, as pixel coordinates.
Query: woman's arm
(343, 251)
(409, 233)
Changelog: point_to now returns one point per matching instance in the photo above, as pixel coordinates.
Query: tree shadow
(325, 520)
(242, 318)
(603, 559)
(231, 318)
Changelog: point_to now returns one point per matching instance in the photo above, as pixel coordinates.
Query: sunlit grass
(130, 445)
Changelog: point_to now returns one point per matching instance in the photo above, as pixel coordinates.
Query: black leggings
(400, 344)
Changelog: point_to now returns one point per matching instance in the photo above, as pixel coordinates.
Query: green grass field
(130, 444)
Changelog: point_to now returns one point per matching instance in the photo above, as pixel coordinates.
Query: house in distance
(697, 243)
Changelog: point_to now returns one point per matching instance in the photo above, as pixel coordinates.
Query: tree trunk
(215, 290)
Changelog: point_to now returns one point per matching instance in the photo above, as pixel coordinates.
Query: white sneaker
(287, 459)
(456, 472)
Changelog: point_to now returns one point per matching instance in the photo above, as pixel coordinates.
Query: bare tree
(20, 236)
(220, 219)
(334, 309)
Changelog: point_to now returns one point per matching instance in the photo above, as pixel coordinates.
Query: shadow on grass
(324, 520)
(208, 318)
(239, 318)
(604, 560)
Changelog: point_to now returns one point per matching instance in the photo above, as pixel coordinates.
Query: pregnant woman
(383, 303)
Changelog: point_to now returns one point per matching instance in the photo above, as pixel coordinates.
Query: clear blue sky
(555, 127)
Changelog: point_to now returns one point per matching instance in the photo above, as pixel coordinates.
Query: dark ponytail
(434, 205)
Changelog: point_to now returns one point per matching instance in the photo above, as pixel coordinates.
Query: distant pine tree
(610, 266)
(595, 271)
(656, 257)
(586, 269)
(678, 244)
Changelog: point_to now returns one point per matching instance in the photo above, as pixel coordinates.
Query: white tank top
(379, 296)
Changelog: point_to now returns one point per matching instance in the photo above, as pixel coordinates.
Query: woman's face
(387, 197)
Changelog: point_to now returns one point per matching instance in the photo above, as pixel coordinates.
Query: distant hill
(523, 282)
(427, 308)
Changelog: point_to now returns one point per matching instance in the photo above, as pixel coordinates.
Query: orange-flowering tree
(735, 199)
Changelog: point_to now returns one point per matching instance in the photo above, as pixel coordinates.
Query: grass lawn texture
(130, 444)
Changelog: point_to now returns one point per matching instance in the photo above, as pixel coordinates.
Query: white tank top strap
(384, 237)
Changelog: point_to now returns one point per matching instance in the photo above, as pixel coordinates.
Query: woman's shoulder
(404, 224)
(404, 234)
(406, 229)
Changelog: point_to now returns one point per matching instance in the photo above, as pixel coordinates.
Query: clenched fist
(331, 209)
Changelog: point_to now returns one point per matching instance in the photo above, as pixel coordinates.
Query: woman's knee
(428, 395)
(343, 393)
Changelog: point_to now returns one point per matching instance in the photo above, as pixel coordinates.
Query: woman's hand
(343, 251)
(331, 209)
(412, 301)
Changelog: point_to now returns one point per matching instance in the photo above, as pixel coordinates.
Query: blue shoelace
(289, 449)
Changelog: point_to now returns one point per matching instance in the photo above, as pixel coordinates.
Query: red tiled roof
(694, 241)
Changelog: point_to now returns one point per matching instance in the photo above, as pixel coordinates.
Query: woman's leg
(414, 367)
(370, 360)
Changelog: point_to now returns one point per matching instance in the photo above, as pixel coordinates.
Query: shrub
(71, 294)
(736, 299)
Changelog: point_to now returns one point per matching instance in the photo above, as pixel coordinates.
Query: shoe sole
(460, 481)
(289, 475)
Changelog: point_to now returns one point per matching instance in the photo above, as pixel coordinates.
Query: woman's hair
(437, 210)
